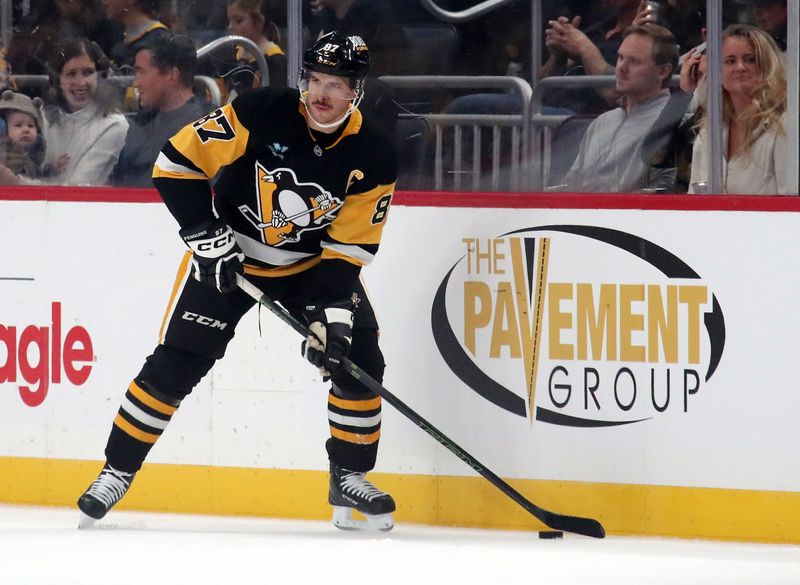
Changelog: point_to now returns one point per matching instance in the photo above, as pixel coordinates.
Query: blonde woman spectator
(754, 117)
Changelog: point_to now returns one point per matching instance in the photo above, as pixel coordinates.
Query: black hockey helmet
(338, 54)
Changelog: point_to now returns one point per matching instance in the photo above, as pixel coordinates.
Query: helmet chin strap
(350, 109)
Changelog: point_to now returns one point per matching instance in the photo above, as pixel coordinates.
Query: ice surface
(41, 546)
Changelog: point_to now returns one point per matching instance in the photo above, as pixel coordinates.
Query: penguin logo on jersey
(287, 208)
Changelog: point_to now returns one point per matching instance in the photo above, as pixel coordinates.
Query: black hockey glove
(216, 257)
(330, 332)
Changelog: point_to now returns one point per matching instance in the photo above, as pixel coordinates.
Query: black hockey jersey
(291, 199)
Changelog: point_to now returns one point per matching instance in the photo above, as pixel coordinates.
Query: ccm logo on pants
(201, 320)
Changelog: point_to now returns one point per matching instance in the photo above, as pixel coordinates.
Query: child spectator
(144, 22)
(250, 19)
(22, 147)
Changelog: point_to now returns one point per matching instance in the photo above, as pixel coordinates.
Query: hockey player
(299, 207)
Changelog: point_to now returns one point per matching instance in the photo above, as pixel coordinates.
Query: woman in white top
(754, 117)
(85, 129)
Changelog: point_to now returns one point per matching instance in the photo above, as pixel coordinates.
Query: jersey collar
(352, 126)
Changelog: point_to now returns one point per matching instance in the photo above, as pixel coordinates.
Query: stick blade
(575, 524)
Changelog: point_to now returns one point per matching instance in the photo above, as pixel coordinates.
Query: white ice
(41, 546)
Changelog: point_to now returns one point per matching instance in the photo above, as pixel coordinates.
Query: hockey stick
(576, 524)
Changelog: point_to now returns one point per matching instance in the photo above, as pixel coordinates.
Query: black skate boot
(350, 490)
(105, 491)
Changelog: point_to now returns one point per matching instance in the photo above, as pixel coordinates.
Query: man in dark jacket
(164, 76)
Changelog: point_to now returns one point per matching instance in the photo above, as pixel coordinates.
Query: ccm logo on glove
(218, 245)
(216, 257)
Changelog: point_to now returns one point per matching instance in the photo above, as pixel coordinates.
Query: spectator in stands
(144, 22)
(677, 124)
(586, 52)
(164, 77)
(250, 19)
(685, 19)
(22, 144)
(771, 16)
(375, 21)
(51, 22)
(610, 156)
(754, 118)
(5, 71)
(85, 127)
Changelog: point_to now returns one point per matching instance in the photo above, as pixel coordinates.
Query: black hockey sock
(355, 425)
(141, 419)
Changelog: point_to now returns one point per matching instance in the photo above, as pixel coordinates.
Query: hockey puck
(549, 534)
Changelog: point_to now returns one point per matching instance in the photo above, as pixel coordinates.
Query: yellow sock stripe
(360, 405)
(150, 401)
(134, 432)
(355, 437)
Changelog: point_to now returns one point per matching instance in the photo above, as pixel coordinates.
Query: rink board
(633, 363)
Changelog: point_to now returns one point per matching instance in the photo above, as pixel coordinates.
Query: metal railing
(543, 124)
(465, 15)
(512, 161)
(202, 83)
(236, 41)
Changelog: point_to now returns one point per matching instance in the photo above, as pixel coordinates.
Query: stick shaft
(586, 526)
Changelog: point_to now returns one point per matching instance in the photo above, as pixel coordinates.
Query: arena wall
(629, 358)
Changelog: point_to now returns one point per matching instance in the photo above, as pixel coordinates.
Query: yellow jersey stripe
(282, 270)
(330, 254)
(273, 50)
(183, 271)
(133, 38)
(167, 169)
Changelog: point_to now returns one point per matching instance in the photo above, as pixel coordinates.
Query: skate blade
(343, 520)
(85, 521)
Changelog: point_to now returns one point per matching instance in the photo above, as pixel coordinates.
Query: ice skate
(100, 497)
(350, 490)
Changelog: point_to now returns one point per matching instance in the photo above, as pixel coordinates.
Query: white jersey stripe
(256, 250)
(165, 164)
(353, 251)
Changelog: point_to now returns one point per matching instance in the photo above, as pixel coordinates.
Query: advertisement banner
(610, 362)
(598, 345)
